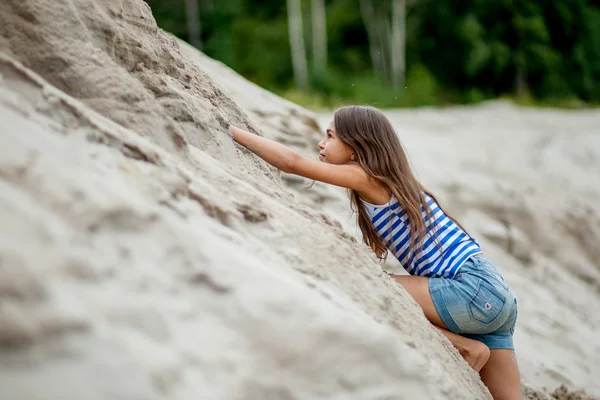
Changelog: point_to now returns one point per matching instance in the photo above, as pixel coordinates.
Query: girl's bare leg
(475, 353)
(501, 375)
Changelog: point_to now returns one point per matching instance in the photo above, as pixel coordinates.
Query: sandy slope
(128, 273)
(144, 255)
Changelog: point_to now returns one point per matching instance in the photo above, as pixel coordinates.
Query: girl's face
(333, 150)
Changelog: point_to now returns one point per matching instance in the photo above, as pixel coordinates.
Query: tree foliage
(456, 50)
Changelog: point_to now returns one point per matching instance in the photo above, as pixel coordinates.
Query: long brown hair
(379, 152)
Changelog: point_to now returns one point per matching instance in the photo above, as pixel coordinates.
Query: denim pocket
(487, 305)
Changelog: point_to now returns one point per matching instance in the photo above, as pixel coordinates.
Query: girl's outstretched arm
(274, 153)
(350, 176)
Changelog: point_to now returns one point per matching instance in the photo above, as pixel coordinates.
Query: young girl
(461, 292)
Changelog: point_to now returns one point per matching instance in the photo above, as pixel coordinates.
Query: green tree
(455, 50)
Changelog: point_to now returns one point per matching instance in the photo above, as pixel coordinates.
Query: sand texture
(144, 255)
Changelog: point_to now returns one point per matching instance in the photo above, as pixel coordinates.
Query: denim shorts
(477, 303)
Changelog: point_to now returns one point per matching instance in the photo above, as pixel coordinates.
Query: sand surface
(144, 255)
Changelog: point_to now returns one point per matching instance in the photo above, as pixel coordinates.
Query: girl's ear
(352, 157)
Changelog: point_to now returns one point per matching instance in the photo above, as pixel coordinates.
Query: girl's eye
(329, 135)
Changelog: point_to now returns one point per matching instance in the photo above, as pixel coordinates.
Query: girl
(461, 292)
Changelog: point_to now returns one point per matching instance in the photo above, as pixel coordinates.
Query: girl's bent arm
(350, 176)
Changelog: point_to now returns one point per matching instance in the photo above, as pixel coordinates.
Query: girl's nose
(321, 145)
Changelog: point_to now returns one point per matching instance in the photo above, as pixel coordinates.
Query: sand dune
(144, 255)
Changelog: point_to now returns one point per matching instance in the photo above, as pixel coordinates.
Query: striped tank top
(445, 246)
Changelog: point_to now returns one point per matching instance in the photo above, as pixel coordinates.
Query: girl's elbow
(291, 162)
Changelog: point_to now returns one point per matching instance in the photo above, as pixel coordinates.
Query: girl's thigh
(418, 288)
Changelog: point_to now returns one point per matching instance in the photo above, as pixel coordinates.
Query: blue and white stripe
(445, 246)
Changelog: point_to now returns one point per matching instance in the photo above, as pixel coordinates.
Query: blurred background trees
(400, 52)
